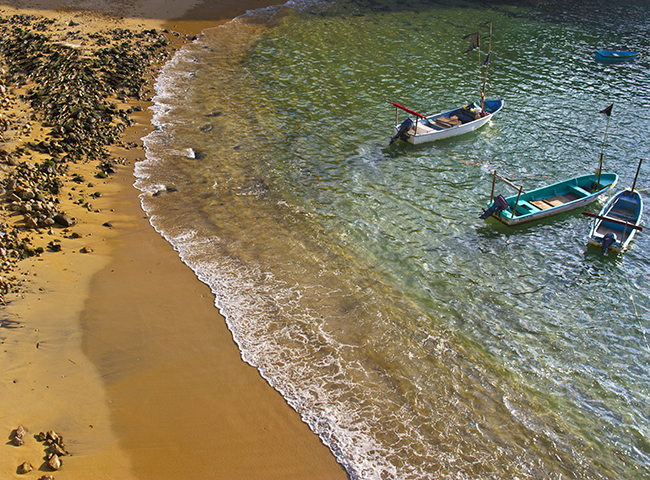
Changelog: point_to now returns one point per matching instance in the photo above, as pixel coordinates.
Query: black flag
(487, 59)
(608, 110)
(476, 42)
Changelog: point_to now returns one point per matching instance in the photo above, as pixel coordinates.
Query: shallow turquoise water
(417, 340)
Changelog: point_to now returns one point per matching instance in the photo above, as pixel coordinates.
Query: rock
(18, 436)
(63, 220)
(56, 449)
(25, 468)
(25, 194)
(86, 250)
(54, 462)
(30, 223)
(54, 247)
(53, 437)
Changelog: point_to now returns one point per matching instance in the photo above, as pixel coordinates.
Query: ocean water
(415, 339)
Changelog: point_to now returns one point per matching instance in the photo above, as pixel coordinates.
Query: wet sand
(121, 350)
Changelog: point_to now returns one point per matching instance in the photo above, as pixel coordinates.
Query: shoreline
(114, 344)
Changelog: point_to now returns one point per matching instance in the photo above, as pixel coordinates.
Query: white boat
(453, 122)
(618, 221)
(445, 124)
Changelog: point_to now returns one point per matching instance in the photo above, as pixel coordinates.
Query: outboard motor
(401, 131)
(498, 206)
(608, 240)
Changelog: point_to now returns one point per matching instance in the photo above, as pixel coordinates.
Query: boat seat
(580, 191)
(623, 204)
(447, 122)
(420, 129)
(526, 206)
(541, 204)
(545, 204)
(621, 215)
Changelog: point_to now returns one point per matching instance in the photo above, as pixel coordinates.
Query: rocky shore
(66, 97)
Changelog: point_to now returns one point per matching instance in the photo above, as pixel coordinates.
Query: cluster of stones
(55, 449)
(73, 90)
(71, 86)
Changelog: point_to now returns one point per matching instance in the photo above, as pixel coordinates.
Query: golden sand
(120, 349)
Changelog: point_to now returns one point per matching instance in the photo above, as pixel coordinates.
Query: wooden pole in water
(637, 175)
(514, 210)
(494, 180)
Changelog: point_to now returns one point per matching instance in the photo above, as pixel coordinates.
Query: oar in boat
(613, 220)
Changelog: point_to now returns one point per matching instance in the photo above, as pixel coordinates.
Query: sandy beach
(108, 339)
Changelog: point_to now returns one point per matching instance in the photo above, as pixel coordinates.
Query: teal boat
(552, 199)
(549, 200)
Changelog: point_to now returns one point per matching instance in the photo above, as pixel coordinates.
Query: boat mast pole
(487, 65)
(637, 175)
(602, 150)
(479, 56)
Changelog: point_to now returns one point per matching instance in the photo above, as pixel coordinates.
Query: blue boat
(618, 221)
(551, 199)
(615, 55)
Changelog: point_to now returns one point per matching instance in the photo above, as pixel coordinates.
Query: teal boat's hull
(554, 199)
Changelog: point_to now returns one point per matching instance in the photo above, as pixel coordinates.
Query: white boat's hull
(450, 132)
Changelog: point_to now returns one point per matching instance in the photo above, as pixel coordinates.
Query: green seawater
(415, 339)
